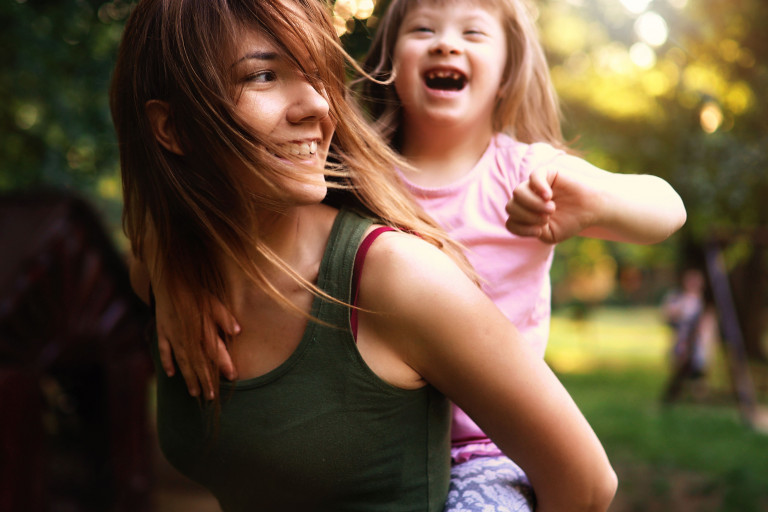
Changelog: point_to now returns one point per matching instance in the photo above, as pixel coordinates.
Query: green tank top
(321, 432)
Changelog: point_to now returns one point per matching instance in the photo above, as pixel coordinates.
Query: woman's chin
(309, 193)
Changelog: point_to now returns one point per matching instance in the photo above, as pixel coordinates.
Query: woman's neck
(273, 328)
(297, 237)
(443, 155)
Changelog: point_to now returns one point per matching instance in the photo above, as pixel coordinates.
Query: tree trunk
(749, 291)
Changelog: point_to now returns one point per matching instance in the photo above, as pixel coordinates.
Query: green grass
(606, 337)
(695, 455)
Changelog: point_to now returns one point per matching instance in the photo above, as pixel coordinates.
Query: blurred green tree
(55, 126)
(677, 88)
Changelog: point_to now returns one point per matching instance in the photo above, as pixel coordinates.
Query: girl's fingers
(216, 351)
(190, 377)
(196, 374)
(540, 185)
(525, 210)
(523, 230)
(224, 319)
(204, 375)
(166, 355)
(226, 365)
(525, 200)
(215, 347)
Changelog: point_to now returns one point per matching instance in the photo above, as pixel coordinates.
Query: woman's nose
(309, 104)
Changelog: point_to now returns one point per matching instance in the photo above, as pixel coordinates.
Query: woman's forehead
(290, 35)
(253, 40)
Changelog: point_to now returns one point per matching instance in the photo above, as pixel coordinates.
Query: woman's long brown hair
(182, 213)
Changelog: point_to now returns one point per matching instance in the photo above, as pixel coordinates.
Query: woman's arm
(573, 197)
(444, 328)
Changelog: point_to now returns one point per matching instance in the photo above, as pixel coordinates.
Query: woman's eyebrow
(257, 55)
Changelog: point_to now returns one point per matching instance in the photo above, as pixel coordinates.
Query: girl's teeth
(443, 74)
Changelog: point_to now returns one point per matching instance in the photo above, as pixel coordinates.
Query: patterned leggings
(489, 484)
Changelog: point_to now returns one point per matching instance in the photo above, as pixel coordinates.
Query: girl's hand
(552, 206)
(195, 359)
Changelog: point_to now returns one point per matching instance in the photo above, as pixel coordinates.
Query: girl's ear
(159, 114)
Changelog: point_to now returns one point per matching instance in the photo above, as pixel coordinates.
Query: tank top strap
(337, 267)
(362, 251)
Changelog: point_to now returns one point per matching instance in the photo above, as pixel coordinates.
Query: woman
(226, 113)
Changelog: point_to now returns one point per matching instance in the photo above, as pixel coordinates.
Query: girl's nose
(446, 44)
(309, 104)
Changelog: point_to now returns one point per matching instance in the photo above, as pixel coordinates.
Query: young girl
(226, 111)
(463, 92)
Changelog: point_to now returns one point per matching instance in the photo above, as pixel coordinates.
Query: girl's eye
(474, 32)
(425, 30)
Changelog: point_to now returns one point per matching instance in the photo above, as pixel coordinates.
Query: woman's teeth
(302, 149)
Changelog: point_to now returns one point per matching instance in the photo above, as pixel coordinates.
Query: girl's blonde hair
(527, 108)
(183, 212)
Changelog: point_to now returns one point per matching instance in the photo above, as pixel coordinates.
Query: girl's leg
(489, 484)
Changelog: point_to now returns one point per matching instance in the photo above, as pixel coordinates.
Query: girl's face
(449, 62)
(279, 104)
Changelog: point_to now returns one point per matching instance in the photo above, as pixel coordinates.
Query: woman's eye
(261, 77)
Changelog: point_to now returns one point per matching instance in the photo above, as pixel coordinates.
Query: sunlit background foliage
(671, 87)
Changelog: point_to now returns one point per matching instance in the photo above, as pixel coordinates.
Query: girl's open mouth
(445, 80)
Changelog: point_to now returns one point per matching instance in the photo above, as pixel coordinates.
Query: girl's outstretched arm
(441, 326)
(572, 197)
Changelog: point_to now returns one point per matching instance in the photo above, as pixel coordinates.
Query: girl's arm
(441, 326)
(577, 198)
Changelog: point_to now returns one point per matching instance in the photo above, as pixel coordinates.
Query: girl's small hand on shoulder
(194, 355)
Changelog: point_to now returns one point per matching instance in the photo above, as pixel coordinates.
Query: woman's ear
(159, 114)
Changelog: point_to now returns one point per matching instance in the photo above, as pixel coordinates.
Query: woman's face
(278, 103)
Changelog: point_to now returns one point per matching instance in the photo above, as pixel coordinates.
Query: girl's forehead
(484, 4)
(490, 6)
(487, 7)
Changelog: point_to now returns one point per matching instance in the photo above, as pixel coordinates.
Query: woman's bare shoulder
(410, 277)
